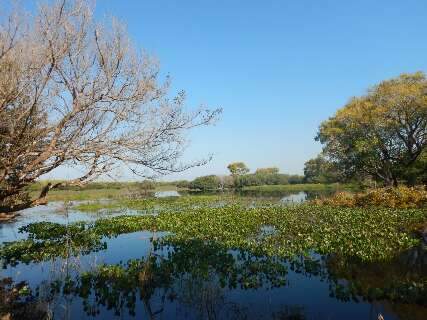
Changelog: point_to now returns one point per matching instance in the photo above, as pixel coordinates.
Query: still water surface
(203, 281)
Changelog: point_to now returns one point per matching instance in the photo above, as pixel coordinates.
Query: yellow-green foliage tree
(264, 171)
(320, 170)
(237, 168)
(382, 133)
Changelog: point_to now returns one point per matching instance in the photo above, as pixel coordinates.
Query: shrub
(400, 197)
(210, 182)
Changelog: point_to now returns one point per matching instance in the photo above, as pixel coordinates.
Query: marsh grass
(172, 203)
(101, 190)
(91, 194)
(120, 190)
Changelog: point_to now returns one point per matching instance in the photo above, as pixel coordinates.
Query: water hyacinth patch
(368, 234)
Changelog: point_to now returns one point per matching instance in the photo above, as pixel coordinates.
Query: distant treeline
(240, 177)
(213, 182)
(316, 171)
(209, 182)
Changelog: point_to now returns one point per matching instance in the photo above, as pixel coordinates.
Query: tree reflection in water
(197, 276)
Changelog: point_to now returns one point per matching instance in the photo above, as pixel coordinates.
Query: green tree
(381, 133)
(417, 172)
(294, 179)
(184, 184)
(237, 168)
(320, 170)
(239, 171)
(210, 182)
(263, 171)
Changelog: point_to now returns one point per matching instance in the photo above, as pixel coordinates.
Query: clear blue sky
(277, 68)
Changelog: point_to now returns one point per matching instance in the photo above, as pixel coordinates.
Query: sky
(277, 68)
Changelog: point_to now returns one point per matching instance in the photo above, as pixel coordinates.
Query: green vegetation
(171, 203)
(55, 118)
(92, 194)
(400, 197)
(93, 190)
(99, 185)
(238, 168)
(128, 191)
(320, 170)
(263, 178)
(225, 242)
(367, 139)
(241, 178)
(366, 234)
(383, 133)
(302, 187)
(212, 182)
(75, 92)
(102, 190)
(195, 262)
(203, 265)
(205, 183)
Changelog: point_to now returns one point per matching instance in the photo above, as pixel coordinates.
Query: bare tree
(76, 92)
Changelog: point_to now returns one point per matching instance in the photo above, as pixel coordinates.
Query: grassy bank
(100, 190)
(37, 186)
(90, 194)
(121, 190)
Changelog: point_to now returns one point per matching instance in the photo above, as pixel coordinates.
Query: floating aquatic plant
(369, 234)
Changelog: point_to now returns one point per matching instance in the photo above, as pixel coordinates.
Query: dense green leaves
(213, 245)
(368, 234)
(382, 133)
(211, 182)
(320, 170)
(400, 197)
(238, 168)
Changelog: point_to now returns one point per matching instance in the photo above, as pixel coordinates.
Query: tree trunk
(395, 182)
(388, 181)
(10, 211)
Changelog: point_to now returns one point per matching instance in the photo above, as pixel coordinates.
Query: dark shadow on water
(147, 275)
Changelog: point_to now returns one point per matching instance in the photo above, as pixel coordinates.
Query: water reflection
(61, 271)
(157, 277)
(295, 198)
(167, 193)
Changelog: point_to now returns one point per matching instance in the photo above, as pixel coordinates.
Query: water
(197, 280)
(287, 197)
(167, 193)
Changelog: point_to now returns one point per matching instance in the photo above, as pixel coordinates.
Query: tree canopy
(320, 170)
(211, 182)
(238, 168)
(262, 171)
(381, 133)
